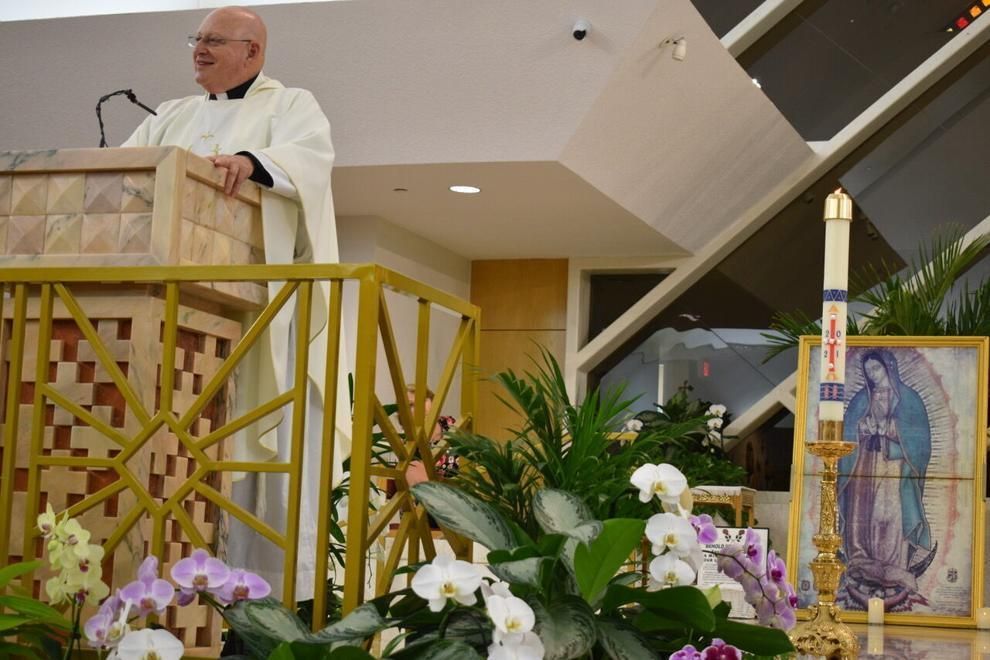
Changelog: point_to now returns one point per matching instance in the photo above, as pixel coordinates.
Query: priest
(253, 128)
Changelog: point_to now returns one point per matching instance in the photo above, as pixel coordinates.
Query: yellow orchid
(47, 522)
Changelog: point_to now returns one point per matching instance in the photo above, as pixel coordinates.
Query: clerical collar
(238, 92)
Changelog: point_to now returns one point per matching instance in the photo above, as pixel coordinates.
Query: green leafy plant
(915, 304)
(698, 448)
(560, 444)
(565, 592)
(28, 628)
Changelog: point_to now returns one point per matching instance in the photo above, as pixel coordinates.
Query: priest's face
(227, 53)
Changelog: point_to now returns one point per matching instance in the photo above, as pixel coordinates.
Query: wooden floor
(910, 643)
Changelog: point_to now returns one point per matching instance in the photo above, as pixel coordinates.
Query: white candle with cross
(835, 294)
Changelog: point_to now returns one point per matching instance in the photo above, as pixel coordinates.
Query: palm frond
(915, 304)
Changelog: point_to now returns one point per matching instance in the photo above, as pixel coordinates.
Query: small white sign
(709, 575)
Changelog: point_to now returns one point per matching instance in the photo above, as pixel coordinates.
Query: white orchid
(498, 588)
(664, 480)
(715, 423)
(512, 617)
(669, 571)
(717, 409)
(148, 644)
(667, 531)
(446, 578)
(527, 646)
(633, 426)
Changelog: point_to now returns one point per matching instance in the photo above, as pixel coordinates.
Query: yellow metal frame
(805, 380)
(374, 329)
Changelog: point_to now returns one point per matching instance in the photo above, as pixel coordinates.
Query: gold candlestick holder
(825, 634)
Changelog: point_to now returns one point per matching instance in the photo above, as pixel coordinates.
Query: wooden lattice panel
(76, 213)
(130, 330)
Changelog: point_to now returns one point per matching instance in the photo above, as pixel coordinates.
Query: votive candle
(874, 614)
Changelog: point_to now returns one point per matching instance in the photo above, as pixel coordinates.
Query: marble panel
(5, 185)
(247, 225)
(201, 240)
(104, 192)
(186, 240)
(100, 233)
(221, 249)
(4, 221)
(189, 199)
(226, 208)
(25, 234)
(65, 193)
(28, 194)
(63, 233)
(206, 202)
(240, 252)
(138, 192)
(135, 232)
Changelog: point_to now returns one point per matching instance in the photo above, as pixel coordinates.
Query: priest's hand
(239, 168)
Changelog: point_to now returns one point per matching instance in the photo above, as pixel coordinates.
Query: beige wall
(523, 306)
(368, 239)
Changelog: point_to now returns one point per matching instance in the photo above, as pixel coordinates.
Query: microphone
(129, 93)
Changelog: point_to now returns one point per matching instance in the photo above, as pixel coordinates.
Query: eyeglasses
(211, 41)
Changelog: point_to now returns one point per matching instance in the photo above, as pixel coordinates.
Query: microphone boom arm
(129, 93)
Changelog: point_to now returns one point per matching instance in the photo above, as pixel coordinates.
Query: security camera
(581, 29)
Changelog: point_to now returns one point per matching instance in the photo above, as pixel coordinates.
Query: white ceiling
(602, 147)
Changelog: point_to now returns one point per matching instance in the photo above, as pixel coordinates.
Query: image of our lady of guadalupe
(887, 541)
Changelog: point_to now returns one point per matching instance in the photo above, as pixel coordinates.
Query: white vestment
(287, 128)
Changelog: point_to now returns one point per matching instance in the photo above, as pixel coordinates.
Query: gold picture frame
(911, 497)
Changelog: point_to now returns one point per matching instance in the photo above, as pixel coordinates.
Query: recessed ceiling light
(467, 190)
(757, 83)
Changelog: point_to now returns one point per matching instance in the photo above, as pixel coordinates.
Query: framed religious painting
(910, 495)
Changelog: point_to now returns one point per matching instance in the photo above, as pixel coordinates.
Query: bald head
(230, 50)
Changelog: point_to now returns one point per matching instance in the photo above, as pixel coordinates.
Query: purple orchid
(754, 550)
(105, 629)
(149, 593)
(199, 572)
(686, 653)
(97, 628)
(719, 650)
(705, 527)
(242, 585)
(730, 561)
(776, 568)
(763, 576)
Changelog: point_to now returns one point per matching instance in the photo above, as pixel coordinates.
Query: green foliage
(916, 304)
(595, 563)
(560, 445)
(582, 607)
(545, 505)
(28, 628)
(268, 629)
(680, 429)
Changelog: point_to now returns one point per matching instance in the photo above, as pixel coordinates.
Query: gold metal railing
(44, 299)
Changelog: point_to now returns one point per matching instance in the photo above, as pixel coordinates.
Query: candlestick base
(825, 635)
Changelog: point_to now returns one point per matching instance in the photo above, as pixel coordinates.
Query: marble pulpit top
(123, 207)
(124, 158)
